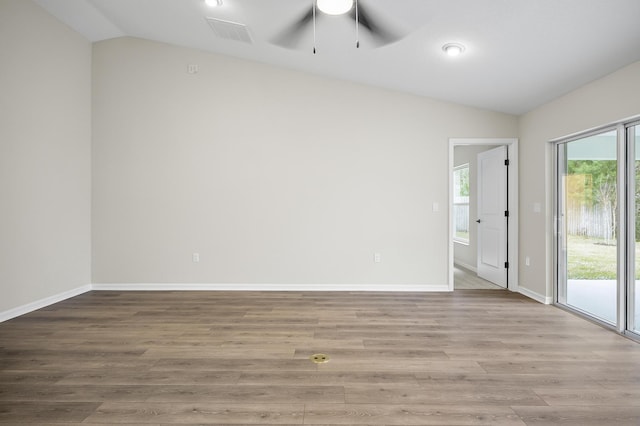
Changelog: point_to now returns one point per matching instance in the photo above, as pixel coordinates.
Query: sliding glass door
(588, 237)
(633, 287)
(598, 226)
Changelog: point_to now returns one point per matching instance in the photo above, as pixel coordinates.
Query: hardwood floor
(470, 357)
(464, 279)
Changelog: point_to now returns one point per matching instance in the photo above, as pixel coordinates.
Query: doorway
(597, 232)
(588, 232)
(469, 239)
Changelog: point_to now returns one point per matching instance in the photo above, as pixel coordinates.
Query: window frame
(456, 238)
(626, 221)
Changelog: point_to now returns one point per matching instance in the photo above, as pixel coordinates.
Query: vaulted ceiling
(518, 54)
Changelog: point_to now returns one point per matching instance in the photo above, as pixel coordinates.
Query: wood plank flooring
(465, 279)
(470, 357)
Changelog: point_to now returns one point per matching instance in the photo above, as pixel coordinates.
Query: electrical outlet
(196, 257)
(377, 257)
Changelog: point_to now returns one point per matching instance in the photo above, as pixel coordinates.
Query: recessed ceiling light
(335, 7)
(453, 49)
(213, 3)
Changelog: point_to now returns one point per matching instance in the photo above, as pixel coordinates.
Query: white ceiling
(519, 53)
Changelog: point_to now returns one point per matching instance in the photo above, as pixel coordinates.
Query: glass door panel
(633, 318)
(588, 229)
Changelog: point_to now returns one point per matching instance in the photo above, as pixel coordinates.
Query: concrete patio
(598, 297)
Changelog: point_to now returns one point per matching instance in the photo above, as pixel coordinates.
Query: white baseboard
(535, 296)
(267, 287)
(466, 266)
(39, 304)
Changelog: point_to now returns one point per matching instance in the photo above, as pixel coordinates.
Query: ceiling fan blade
(381, 33)
(289, 37)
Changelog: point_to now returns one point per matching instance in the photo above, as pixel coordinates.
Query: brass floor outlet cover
(319, 358)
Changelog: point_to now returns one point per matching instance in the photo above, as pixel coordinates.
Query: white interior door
(492, 221)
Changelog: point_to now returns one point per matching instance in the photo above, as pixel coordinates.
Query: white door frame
(512, 228)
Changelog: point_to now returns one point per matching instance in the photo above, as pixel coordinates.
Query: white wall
(466, 254)
(273, 176)
(603, 101)
(45, 133)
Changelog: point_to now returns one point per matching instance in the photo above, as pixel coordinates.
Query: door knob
(478, 220)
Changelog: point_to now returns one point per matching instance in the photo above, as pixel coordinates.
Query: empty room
(331, 212)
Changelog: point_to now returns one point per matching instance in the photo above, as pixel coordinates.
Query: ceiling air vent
(230, 30)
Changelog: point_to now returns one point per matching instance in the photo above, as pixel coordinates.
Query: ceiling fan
(354, 10)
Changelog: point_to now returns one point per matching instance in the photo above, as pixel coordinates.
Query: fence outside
(461, 217)
(595, 221)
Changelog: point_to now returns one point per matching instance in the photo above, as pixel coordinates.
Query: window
(589, 233)
(461, 203)
(597, 232)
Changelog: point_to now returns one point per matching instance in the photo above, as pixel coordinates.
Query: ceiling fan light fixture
(213, 3)
(335, 7)
(453, 49)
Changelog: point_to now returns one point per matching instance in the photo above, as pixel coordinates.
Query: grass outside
(591, 259)
(462, 235)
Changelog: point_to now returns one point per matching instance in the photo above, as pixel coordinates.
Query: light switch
(537, 208)
(436, 207)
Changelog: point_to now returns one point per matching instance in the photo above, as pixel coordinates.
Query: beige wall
(45, 133)
(603, 101)
(273, 176)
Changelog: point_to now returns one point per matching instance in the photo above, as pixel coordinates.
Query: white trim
(547, 300)
(512, 148)
(267, 287)
(466, 266)
(42, 303)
